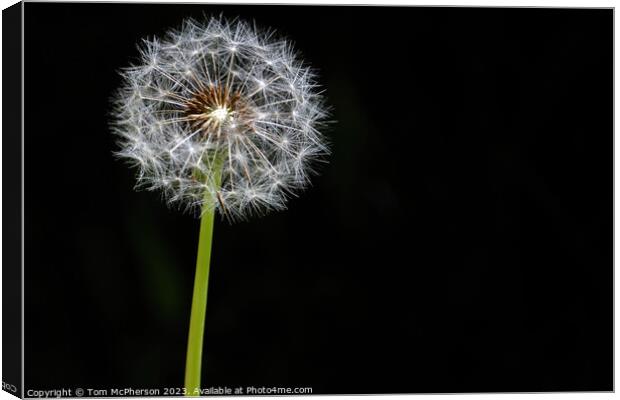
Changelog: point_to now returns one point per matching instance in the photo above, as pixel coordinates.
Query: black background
(460, 239)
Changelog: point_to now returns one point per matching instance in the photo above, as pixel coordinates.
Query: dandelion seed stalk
(193, 365)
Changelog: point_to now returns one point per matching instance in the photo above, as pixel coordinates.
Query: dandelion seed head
(220, 115)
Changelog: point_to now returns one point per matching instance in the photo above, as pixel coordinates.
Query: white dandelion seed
(221, 116)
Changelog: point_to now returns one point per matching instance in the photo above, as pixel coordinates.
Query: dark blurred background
(460, 239)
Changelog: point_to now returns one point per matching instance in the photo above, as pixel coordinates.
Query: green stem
(201, 284)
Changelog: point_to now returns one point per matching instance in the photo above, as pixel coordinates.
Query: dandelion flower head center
(220, 114)
(216, 111)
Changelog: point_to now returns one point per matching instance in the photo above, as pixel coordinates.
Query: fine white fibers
(220, 115)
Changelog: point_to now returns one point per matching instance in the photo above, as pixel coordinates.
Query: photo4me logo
(254, 390)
